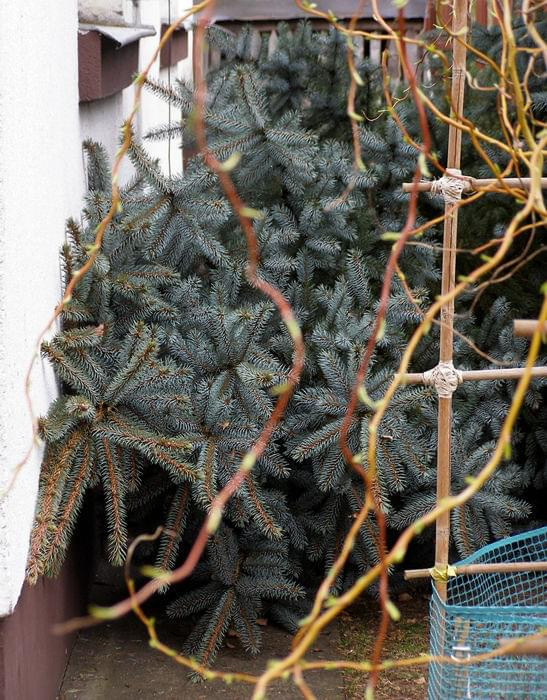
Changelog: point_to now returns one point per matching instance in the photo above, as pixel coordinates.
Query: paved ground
(114, 661)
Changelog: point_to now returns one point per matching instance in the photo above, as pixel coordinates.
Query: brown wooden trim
(430, 15)
(108, 58)
(176, 48)
(245, 11)
(481, 12)
(104, 68)
(269, 26)
(32, 659)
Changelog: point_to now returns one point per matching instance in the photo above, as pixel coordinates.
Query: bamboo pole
(529, 647)
(471, 184)
(526, 329)
(459, 55)
(478, 375)
(470, 569)
(441, 571)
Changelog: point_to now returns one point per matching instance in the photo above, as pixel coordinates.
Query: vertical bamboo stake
(442, 534)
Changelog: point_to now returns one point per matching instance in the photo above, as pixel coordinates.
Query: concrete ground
(113, 661)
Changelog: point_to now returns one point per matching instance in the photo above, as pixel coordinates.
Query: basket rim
(493, 546)
(523, 612)
(512, 611)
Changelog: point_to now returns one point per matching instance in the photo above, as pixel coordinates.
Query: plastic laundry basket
(482, 609)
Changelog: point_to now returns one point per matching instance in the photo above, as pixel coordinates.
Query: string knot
(445, 378)
(450, 186)
(442, 573)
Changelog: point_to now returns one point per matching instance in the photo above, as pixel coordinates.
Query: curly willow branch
(398, 551)
(510, 647)
(314, 625)
(322, 614)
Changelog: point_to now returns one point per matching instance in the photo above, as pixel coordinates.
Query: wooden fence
(264, 15)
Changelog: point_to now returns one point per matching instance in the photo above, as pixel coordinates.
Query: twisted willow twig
(294, 663)
(509, 647)
(149, 623)
(307, 636)
(398, 551)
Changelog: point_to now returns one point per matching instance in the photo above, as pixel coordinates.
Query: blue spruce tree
(168, 356)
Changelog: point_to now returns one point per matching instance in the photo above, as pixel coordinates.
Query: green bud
(393, 611)
(248, 462)
(214, 520)
(356, 117)
(231, 162)
(250, 213)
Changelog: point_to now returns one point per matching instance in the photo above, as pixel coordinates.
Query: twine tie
(445, 378)
(449, 186)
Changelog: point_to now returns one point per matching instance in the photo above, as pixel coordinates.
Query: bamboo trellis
(445, 377)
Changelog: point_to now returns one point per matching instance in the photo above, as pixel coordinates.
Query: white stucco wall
(155, 111)
(40, 186)
(101, 119)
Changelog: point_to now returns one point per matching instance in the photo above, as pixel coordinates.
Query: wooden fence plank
(257, 10)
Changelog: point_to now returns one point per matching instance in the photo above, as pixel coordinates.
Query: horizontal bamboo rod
(528, 647)
(472, 184)
(502, 568)
(526, 329)
(478, 375)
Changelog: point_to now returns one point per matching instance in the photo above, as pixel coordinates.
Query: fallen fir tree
(169, 359)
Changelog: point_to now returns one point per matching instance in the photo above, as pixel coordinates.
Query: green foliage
(97, 432)
(169, 358)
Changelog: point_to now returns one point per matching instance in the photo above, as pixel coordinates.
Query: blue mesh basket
(480, 610)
